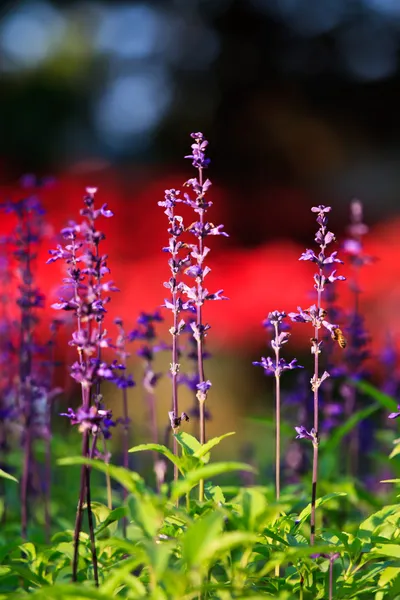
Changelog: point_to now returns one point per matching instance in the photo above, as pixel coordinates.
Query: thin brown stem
(175, 407)
(331, 580)
(91, 526)
(79, 510)
(47, 492)
(125, 449)
(25, 481)
(108, 478)
(316, 427)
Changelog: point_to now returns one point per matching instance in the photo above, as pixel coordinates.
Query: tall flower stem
(123, 382)
(316, 423)
(146, 332)
(87, 304)
(199, 324)
(174, 373)
(125, 449)
(330, 580)
(275, 321)
(176, 264)
(277, 421)
(25, 353)
(199, 294)
(316, 316)
(79, 509)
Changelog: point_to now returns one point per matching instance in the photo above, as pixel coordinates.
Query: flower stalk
(316, 316)
(87, 302)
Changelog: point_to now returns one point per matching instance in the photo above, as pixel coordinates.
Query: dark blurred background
(300, 100)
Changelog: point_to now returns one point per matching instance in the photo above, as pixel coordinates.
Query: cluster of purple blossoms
(121, 379)
(94, 420)
(275, 321)
(177, 262)
(84, 296)
(145, 332)
(188, 259)
(27, 387)
(315, 314)
(201, 229)
(190, 379)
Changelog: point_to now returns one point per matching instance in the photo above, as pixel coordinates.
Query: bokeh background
(300, 101)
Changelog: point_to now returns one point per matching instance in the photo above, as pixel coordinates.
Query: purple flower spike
(302, 433)
(315, 315)
(394, 415)
(198, 151)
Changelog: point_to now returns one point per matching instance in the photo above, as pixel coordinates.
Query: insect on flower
(337, 336)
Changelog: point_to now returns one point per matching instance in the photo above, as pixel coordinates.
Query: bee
(337, 336)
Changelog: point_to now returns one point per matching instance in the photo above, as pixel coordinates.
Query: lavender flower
(85, 286)
(357, 351)
(146, 333)
(394, 415)
(191, 379)
(316, 316)
(276, 322)
(25, 240)
(198, 294)
(176, 263)
(302, 433)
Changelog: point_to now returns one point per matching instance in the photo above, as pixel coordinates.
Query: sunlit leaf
(162, 450)
(320, 502)
(128, 479)
(187, 442)
(5, 475)
(391, 550)
(199, 536)
(203, 451)
(183, 486)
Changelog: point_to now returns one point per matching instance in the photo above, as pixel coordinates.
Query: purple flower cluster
(315, 314)
(201, 229)
(146, 333)
(276, 321)
(94, 420)
(84, 296)
(189, 259)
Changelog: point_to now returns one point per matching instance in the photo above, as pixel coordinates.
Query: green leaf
(64, 592)
(229, 540)
(339, 432)
(158, 555)
(254, 505)
(5, 475)
(396, 449)
(187, 442)
(197, 539)
(320, 502)
(146, 514)
(205, 448)
(388, 575)
(377, 519)
(391, 550)
(383, 399)
(192, 478)
(129, 479)
(162, 450)
(123, 575)
(214, 493)
(108, 519)
(390, 481)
